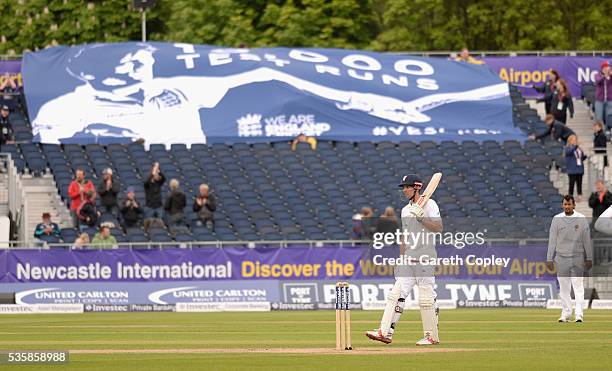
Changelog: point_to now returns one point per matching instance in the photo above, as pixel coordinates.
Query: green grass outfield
(476, 339)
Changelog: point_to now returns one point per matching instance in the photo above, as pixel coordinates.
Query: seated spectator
(556, 130)
(562, 102)
(600, 143)
(104, 239)
(205, 205)
(77, 191)
(387, 223)
(175, 204)
(603, 94)
(357, 227)
(153, 199)
(367, 224)
(47, 230)
(465, 56)
(131, 210)
(88, 212)
(6, 129)
(303, 138)
(108, 190)
(600, 200)
(548, 88)
(81, 242)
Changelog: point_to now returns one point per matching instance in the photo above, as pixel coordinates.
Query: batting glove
(416, 211)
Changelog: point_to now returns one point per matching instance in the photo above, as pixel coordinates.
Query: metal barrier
(251, 244)
(596, 170)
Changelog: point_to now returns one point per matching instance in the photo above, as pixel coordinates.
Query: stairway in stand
(40, 197)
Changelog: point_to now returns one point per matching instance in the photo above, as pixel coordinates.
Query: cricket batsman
(569, 243)
(416, 221)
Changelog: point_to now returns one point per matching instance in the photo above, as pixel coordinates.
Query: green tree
(385, 25)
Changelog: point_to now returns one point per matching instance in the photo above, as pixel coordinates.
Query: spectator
(357, 227)
(367, 227)
(548, 88)
(47, 230)
(131, 210)
(556, 130)
(387, 223)
(465, 56)
(175, 204)
(104, 239)
(108, 190)
(600, 143)
(603, 94)
(87, 211)
(8, 90)
(205, 205)
(562, 102)
(600, 200)
(153, 198)
(6, 129)
(81, 242)
(77, 191)
(303, 138)
(574, 164)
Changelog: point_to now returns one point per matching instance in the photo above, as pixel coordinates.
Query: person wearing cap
(603, 94)
(47, 230)
(108, 190)
(131, 210)
(417, 221)
(6, 129)
(77, 191)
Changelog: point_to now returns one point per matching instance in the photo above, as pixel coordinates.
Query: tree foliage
(386, 25)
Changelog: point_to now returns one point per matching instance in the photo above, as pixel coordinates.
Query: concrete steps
(41, 196)
(582, 124)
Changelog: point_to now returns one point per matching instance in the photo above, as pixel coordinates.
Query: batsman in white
(415, 219)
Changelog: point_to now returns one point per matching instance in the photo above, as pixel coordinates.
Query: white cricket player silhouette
(166, 109)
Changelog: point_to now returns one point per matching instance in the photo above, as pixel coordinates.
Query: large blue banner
(184, 93)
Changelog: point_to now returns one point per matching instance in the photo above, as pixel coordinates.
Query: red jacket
(77, 197)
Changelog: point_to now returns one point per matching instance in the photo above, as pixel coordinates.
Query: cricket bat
(429, 190)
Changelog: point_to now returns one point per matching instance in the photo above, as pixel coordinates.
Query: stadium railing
(16, 198)
(250, 244)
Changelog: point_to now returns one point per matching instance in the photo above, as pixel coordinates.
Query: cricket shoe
(563, 319)
(378, 336)
(578, 319)
(427, 341)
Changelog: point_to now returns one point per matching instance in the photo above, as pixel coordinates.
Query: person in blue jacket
(574, 164)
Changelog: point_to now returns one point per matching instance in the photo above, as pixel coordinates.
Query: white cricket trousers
(570, 272)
